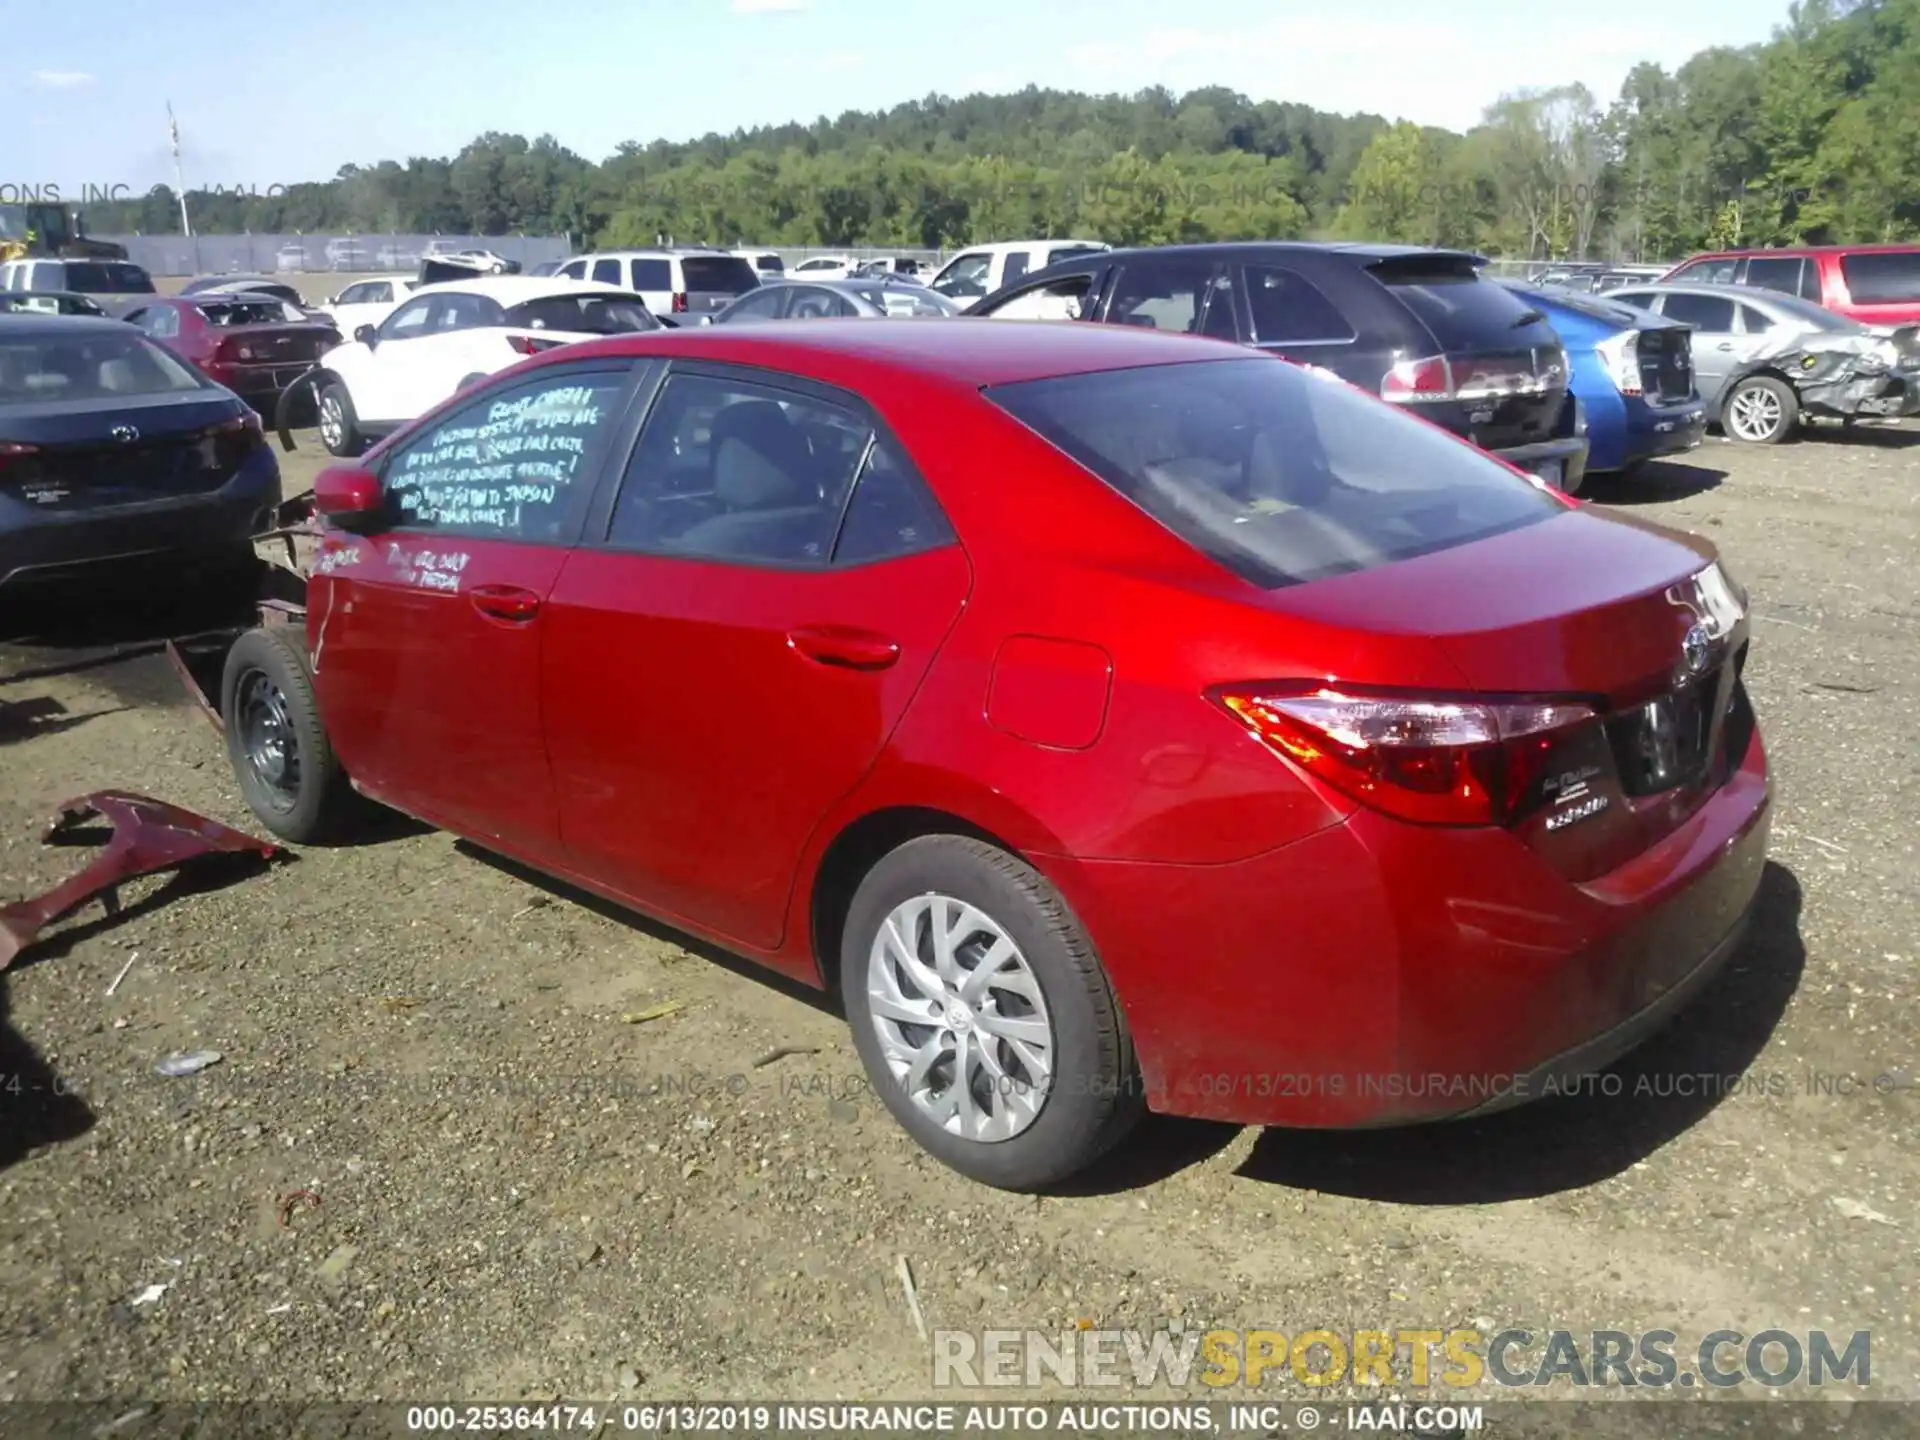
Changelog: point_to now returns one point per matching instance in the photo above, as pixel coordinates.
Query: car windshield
(263, 311)
(907, 300)
(1277, 472)
(92, 366)
(591, 314)
(106, 278)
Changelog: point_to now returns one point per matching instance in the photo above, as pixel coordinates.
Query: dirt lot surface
(524, 1195)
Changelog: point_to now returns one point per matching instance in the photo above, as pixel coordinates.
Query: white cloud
(770, 7)
(61, 79)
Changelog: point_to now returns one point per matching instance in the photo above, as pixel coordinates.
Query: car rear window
(588, 314)
(107, 279)
(248, 312)
(1279, 473)
(1464, 311)
(1882, 277)
(88, 367)
(718, 274)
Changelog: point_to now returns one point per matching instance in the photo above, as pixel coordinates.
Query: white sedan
(368, 302)
(448, 336)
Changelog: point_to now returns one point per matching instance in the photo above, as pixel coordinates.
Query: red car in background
(1875, 284)
(254, 344)
(1114, 719)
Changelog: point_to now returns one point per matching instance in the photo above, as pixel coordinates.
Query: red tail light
(528, 345)
(11, 451)
(1431, 761)
(680, 303)
(1428, 379)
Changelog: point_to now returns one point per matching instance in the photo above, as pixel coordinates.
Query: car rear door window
(1279, 474)
(1774, 272)
(1289, 308)
(1754, 322)
(1711, 314)
(513, 465)
(891, 513)
(1882, 277)
(734, 470)
(653, 275)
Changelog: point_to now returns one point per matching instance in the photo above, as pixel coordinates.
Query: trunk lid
(276, 344)
(78, 456)
(1600, 609)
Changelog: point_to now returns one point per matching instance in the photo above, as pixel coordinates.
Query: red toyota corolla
(1115, 719)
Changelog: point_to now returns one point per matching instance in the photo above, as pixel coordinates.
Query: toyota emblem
(1694, 649)
(125, 434)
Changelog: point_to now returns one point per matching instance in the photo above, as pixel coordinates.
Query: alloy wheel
(333, 422)
(961, 1018)
(1755, 414)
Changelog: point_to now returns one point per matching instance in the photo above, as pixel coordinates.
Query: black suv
(1417, 326)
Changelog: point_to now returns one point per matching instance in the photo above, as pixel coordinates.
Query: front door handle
(1724, 345)
(505, 602)
(844, 646)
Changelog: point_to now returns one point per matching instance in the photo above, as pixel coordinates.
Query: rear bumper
(1651, 430)
(47, 547)
(1377, 973)
(1569, 453)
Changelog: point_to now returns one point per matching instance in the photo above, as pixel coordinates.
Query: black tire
(269, 713)
(1773, 397)
(347, 441)
(1095, 1096)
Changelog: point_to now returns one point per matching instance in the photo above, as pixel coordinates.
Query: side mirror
(367, 336)
(349, 498)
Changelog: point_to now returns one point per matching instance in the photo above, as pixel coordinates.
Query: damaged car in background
(1764, 361)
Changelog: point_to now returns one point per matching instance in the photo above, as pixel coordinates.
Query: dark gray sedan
(858, 298)
(115, 449)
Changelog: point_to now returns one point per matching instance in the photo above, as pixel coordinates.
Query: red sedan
(1114, 719)
(255, 345)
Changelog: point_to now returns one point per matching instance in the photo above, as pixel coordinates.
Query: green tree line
(1813, 136)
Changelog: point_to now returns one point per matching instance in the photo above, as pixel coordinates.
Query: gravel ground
(526, 1196)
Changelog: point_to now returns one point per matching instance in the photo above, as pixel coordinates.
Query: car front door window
(431, 667)
(1057, 300)
(966, 278)
(1168, 295)
(409, 322)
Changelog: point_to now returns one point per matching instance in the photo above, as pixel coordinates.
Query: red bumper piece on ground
(148, 836)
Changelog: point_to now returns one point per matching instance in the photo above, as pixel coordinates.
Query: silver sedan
(856, 298)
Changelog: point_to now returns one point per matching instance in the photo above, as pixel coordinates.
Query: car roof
(1787, 252)
(49, 295)
(37, 323)
(515, 289)
(972, 353)
(650, 252)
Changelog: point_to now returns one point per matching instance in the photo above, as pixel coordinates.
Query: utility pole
(179, 179)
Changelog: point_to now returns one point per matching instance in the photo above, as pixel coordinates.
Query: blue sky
(274, 92)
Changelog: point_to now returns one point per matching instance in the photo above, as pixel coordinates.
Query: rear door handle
(505, 602)
(844, 646)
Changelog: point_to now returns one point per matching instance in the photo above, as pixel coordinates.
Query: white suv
(446, 336)
(673, 282)
(982, 269)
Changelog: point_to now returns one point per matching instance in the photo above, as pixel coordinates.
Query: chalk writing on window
(507, 468)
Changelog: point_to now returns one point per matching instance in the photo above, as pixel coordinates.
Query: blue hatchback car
(1633, 375)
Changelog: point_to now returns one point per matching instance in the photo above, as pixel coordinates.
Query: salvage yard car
(1632, 373)
(1878, 285)
(867, 298)
(1416, 326)
(686, 281)
(253, 344)
(112, 449)
(1762, 360)
(450, 335)
(869, 652)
